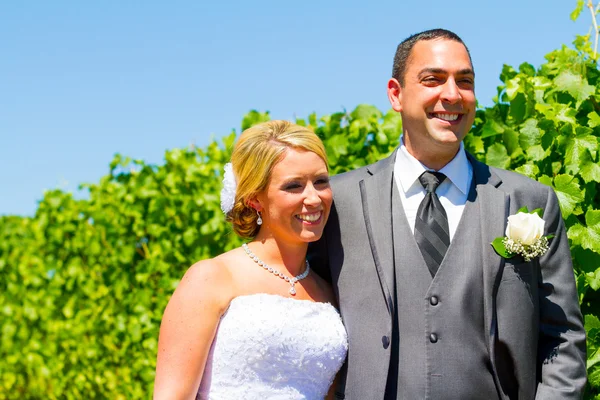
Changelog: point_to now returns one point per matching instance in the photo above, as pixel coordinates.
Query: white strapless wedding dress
(271, 347)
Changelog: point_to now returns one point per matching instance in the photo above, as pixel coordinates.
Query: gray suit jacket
(535, 334)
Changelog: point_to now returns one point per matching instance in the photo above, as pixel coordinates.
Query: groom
(431, 310)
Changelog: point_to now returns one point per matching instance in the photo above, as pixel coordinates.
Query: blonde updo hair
(255, 154)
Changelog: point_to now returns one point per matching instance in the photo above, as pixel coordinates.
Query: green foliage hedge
(84, 283)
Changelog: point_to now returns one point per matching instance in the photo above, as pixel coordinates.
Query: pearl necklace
(292, 281)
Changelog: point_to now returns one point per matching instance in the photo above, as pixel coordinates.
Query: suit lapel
(376, 196)
(494, 205)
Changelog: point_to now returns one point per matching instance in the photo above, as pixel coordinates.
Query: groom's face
(437, 100)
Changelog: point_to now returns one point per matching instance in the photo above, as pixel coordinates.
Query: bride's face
(296, 203)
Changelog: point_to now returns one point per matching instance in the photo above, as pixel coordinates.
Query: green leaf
(540, 213)
(536, 153)
(381, 138)
(500, 249)
(366, 112)
(508, 72)
(513, 87)
(577, 11)
(491, 127)
(590, 172)
(545, 179)
(497, 156)
(566, 114)
(560, 59)
(586, 134)
(591, 321)
(584, 260)
(530, 170)
(569, 194)
(541, 83)
(527, 69)
(579, 149)
(558, 112)
(518, 107)
(594, 119)
(523, 210)
(594, 375)
(588, 237)
(530, 134)
(474, 144)
(189, 236)
(511, 141)
(253, 118)
(593, 279)
(583, 44)
(575, 85)
(338, 144)
(392, 125)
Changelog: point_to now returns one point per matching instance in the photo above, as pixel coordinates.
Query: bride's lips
(313, 218)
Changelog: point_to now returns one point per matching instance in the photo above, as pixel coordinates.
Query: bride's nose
(312, 197)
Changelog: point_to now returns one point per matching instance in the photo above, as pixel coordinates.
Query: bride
(255, 322)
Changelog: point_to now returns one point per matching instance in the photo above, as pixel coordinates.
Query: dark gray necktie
(431, 225)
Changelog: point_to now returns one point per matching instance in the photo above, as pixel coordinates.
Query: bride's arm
(331, 392)
(188, 328)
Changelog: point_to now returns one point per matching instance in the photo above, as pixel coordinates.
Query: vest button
(433, 300)
(385, 340)
(433, 338)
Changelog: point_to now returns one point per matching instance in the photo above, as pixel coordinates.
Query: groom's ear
(394, 92)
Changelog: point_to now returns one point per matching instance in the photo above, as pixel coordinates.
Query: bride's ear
(255, 203)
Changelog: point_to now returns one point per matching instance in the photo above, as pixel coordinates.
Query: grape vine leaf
(497, 156)
(588, 237)
(575, 85)
(569, 193)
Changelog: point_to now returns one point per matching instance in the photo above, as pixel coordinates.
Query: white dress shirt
(452, 192)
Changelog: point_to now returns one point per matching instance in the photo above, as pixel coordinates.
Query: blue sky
(81, 81)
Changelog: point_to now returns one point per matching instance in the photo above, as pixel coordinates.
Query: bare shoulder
(213, 270)
(208, 282)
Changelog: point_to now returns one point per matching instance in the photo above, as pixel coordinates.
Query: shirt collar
(408, 169)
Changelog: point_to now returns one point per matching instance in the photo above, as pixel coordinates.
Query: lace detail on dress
(273, 347)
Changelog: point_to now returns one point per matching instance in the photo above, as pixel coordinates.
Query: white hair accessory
(229, 188)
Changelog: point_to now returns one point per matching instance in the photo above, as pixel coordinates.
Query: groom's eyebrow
(466, 71)
(432, 71)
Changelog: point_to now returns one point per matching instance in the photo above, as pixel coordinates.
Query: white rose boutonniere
(523, 236)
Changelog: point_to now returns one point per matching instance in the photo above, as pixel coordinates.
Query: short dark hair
(405, 48)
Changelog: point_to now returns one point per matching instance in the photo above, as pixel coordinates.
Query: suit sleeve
(561, 349)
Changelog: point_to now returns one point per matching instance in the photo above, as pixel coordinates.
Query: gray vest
(438, 348)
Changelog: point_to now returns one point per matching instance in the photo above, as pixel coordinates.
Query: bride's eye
(292, 186)
(321, 182)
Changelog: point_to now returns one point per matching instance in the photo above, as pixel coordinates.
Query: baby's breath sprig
(529, 252)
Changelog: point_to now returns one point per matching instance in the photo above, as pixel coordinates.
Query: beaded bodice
(273, 347)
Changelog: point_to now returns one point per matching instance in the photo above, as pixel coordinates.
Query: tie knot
(431, 180)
